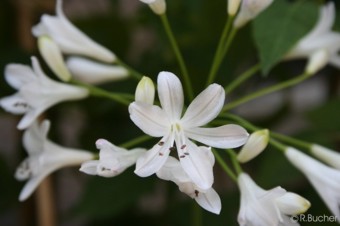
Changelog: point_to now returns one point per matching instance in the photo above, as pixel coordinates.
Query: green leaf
(280, 27)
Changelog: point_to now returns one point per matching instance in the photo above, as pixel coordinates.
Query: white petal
(154, 159)
(325, 21)
(17, 75)
(227, 136)
(31, 185)
(29, 118)
(95, 73)
(149, 118)
(89, 167)
(327, 155)
(35, 136)
(173, 171)
(14, 104)
(205, 107)
(196, 164)
(210, 201)
(292, 204)
(170, 94)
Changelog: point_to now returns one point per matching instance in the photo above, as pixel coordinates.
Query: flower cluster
(189, 137)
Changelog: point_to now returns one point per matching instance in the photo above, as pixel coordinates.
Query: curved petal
(17, 75)
(14, 104)
(173, 171)
(205, 107)
(170, 94)
(196, 164)
(325, 21)
(154, 159)
(149, 118)
(29, 118)
(210, 201)
(89, 167)
(227, 136)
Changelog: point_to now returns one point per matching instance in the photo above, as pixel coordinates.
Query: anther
(183, 146)
(161, 143)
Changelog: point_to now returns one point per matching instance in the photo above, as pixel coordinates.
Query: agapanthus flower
(260, 207)
(167, 122)
(321, 37)
(325, 180)
(69, 38)
(44, 157)
(113, 160)
(173, 171)
(36, 92)
(92, 72)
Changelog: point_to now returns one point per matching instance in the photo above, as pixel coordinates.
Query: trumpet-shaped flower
(249, 10)
(157, 6)
(95, 73)
(256, 143)
(173, 171)
(261, 208)
(166, 122)
(112, 161)
(36, 92)
(325, 179)
(320, 38)
(44, 157)
(327, 155)
(69, 38)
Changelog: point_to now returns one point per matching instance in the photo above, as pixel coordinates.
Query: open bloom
(157, 6)
(44, 157)
(91, 72)
(267, 208)
(166, 122)
(36, 92)
(249, 10)
(112, 161)
(69, 38)
(324, 179)
(173, 171)
(320, 38)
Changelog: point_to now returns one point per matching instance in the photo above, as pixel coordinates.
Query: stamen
(183, 146)
(196, 193)
(182, 156)
(186, 153)
(161, 143)
(160, 154)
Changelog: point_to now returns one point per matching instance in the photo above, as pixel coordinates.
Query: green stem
(135, 141)
(291, 140)
(184, 71)
(266, 91)
(135, 74)
(95, 91)
(228, 43)
(236, 164)
(277, 145)
(224, 166)
(218, 53)
(241, 78)
(196, 215)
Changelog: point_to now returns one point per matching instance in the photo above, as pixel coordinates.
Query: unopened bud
(317, 61)
(157, 6)
(329, 156)
(292, 204)
(145, 91)
(233, 6)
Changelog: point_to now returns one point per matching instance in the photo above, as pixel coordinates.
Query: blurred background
(309, 111)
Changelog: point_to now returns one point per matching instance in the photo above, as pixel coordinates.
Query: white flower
(255, 144)
(267, 208)
(321, 37)
(91, 72)
(53, 57)
(167, 122)
(36, 92)
(249, 10)
(44, 158)
(327, 155)
(112, 161)
(325, 179)
(145, 91)
(157, 6)
(173, 171)
(69, 38)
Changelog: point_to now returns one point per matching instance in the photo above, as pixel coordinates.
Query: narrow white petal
(17, 75)
(150, 162)
(210, 201)
(170, 94)
(227, 136)
(14, 104)
(327, 155)
(29, 118)
(196, 164)
(89, 167)
(151, 119)
(205, 107)
(32, 184)
(95, 73)
(325, 21)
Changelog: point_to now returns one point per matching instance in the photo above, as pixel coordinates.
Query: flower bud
(233, 6)
(317, 61)
(145, 91)
(157, 6)
(292, 204)
(53, 57)
(329, 156)
(255, 144)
